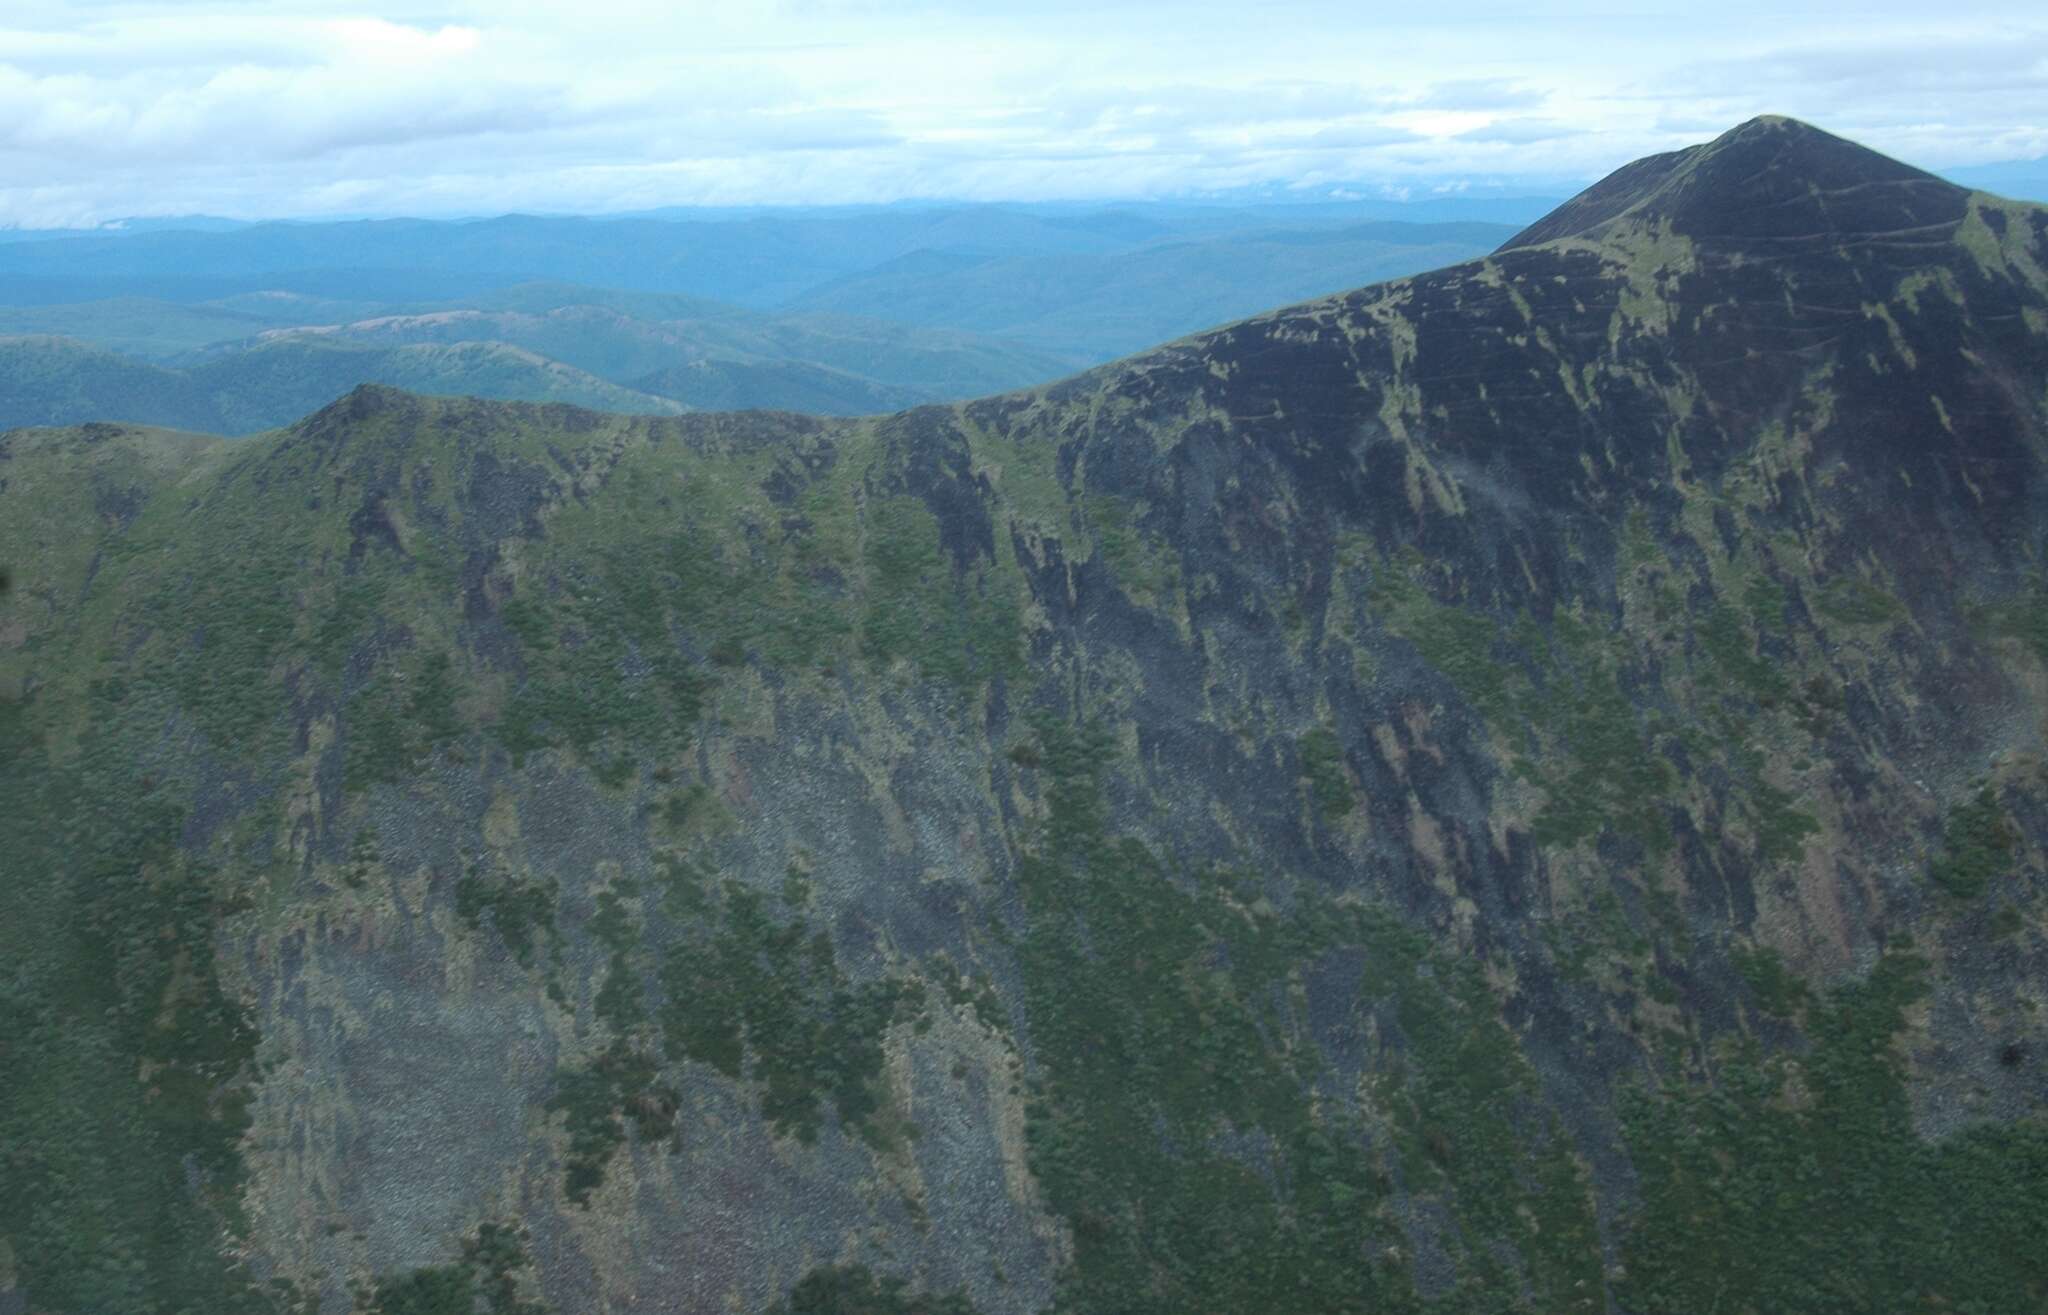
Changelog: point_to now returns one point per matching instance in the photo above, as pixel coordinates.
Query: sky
(311, 108)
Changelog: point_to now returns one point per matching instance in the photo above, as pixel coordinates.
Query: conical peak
(1768, 180)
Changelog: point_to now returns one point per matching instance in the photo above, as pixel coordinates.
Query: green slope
(253, 363)
(1520, 788)
(271, 383)
(135, 326)
(58, 381)
(837, 365)
(46, 381)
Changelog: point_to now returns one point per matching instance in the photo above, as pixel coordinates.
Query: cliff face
(1516, 788)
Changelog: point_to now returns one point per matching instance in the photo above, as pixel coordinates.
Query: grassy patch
(596, 1101)
(601, 672)
(1797, 1182)
(2024, 618)
(961, 631)
(393, 723)
(1598, 766)
(1733, 658)
(124, 1064)
(1858, 603)
(762, 999)
(1322, 767)
(1782, 828)
(521, 910)
(856, 1290)
(1143, 565)
(1777, 989)
(485, 1281)
(1160, 1009)
(235, 622)
(1977, 846)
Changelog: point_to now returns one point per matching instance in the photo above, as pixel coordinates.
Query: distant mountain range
(837, 314)
(763, 261)
(62, 381)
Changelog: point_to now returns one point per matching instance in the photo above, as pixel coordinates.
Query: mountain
(584, 354)
(850, 313)
(136, 326)
(264, 386)
(627, 337)
(1774, 183)
(125, 228)
(714, 384)
(293, 352)
(1516, 788)
(759, 260)
(51, 380)
(1107, 304)
(58, 381)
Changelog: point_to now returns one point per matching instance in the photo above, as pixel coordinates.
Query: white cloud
(305, 107)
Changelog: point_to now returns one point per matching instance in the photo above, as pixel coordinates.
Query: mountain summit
(1771, 179)
(1523, 788)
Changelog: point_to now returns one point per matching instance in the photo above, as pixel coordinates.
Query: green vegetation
(232, 625)
(855, 1290)
(601, 672)
(2024, 617)
(395, 723)
(1597, 764)
(1777, 989)
(1782, 828)
(622, 1084)
(1322, 766)
(1583, 707)
(1767, 601)
(1977, 846)
(1860, 603)
(345, 619)
(1601, 933)
(763, 1000)
(1731, 656)
(962, 631)
(596, 1099)
(604, 669)
(1143, 565)
(520, 909)
(1459, 643)
(781, 598)
(123, 1063)
(1797, 1182)
(1158, 1004)
(485, 1281)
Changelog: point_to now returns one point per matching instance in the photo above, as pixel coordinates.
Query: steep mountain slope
(1519, 788)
